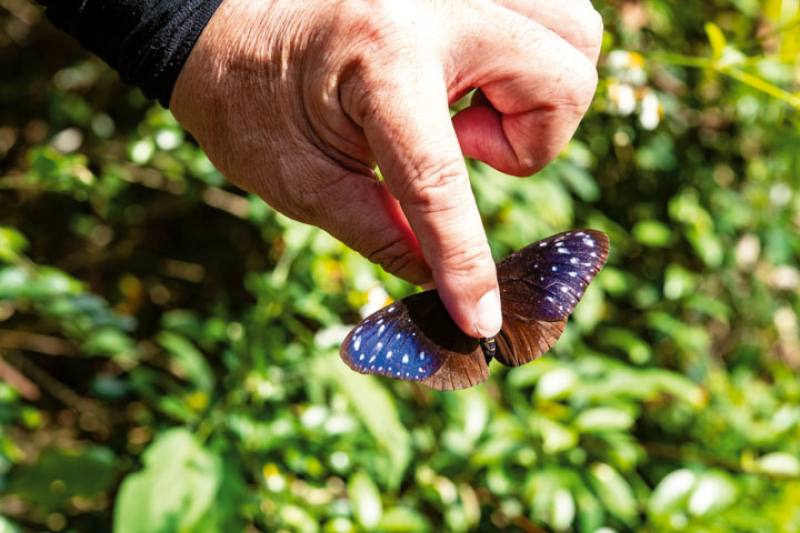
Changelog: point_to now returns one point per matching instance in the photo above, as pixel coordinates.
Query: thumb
(408, 128)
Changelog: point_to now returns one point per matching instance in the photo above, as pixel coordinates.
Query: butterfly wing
(522, 342)
(415, 339)
(540, 286)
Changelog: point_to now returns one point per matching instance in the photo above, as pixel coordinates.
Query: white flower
(623, 98)
(376, 299)
(650, 114)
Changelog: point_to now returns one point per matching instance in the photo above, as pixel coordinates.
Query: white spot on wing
(357, 342)
(405, 359)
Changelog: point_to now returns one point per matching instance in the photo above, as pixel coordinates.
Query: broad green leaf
(175, 491)
(556, 383)
(366, 500)
(614, 491)
(779, 464)
(652, 233)
(298, 519)
(60, 475)
(672, 492)
(604, 419)
(403, 520)
(374, 406)
(713, 492)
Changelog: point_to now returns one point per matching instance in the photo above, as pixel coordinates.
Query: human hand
(297, 101)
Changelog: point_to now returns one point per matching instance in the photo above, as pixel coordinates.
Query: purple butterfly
(415, 339)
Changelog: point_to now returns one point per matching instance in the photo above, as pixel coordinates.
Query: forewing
(546, 279)
(415, 339)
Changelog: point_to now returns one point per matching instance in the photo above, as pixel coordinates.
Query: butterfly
(414, 339)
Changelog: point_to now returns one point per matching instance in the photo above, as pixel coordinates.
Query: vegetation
(168, 345)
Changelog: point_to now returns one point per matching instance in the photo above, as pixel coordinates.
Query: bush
(168, 344)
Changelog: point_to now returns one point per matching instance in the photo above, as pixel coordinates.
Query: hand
(297, 101)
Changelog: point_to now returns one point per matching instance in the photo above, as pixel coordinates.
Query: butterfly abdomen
(489, 348)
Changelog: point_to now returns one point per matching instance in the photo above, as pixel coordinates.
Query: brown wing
(520, 342)
(460, 371)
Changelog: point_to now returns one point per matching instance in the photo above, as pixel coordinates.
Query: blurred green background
(168, 345)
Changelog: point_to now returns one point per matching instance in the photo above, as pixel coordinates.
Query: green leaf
(779, 464)
(403, 520)
(366, 500)
(7, 526)
(556, 383)
(60, 475)
(714, 491)
(636, 349)
(716, 38)
(652, 233)
(671, 493)
(550, 498)
(12, 243)
(187, 361)
(375, 408)
(615, 493)
(107, 342)
(604, 419)
(175, 491)
(678, 282)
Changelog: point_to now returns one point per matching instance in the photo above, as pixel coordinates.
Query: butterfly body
(414, 339)
(489, 347)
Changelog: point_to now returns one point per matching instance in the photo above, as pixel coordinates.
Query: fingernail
(488, 318)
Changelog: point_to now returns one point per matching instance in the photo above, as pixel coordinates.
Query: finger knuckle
(584, 83)
(574, 89)
(394, 256)
(469, 260)
(588, 26)
(594, 28)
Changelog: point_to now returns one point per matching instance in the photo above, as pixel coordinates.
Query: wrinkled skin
(298, 101)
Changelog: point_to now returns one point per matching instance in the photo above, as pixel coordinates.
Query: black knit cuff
(146, 41)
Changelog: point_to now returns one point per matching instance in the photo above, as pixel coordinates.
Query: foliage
(168, 344)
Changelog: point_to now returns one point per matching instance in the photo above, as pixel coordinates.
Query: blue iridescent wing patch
(415, 339)
(386, 345)
(546, 279)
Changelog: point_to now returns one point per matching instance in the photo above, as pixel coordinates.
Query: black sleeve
(146, 41)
